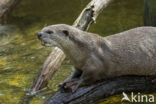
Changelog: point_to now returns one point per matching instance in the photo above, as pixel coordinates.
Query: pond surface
(22, 56)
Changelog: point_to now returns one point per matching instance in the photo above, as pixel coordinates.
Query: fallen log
(104, 89)
(86, 18)
(46, 73)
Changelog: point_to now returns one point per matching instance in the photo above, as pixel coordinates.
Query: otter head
(71, 40)
(55, 35)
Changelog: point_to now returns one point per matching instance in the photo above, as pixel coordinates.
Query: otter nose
(39, 35)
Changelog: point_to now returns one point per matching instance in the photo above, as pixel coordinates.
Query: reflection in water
(21, 55)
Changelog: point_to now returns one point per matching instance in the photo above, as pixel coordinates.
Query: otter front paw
(74, 85)
(63, 84)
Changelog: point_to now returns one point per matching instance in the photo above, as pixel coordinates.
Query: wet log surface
(104, 89)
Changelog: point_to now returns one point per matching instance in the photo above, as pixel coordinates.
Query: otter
(95, 58)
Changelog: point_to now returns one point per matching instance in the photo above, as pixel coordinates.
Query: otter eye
(49, 32)
(65, 32)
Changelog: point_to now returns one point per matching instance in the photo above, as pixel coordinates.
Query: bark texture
(46, 72)
(102, 90)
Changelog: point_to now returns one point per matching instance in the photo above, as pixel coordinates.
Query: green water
(21, 55)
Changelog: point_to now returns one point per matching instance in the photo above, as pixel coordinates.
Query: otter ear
(65, 32)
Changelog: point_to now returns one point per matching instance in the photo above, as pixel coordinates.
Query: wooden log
(6, 6)
(86, 18)
(102, 90)
(90, 13)
(46, 73)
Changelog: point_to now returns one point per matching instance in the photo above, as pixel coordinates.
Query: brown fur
(132, 52)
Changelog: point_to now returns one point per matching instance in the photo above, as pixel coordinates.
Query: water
(21, 55)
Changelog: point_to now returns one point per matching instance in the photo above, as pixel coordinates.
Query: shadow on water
(21, 55)
(26, 99)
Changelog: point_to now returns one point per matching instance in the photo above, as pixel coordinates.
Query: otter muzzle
(39, 35)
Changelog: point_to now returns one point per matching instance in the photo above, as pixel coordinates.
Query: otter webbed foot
(63, 84)
(74, 85)
(75, 76)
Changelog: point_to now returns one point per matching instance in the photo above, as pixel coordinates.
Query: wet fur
(132, 52)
